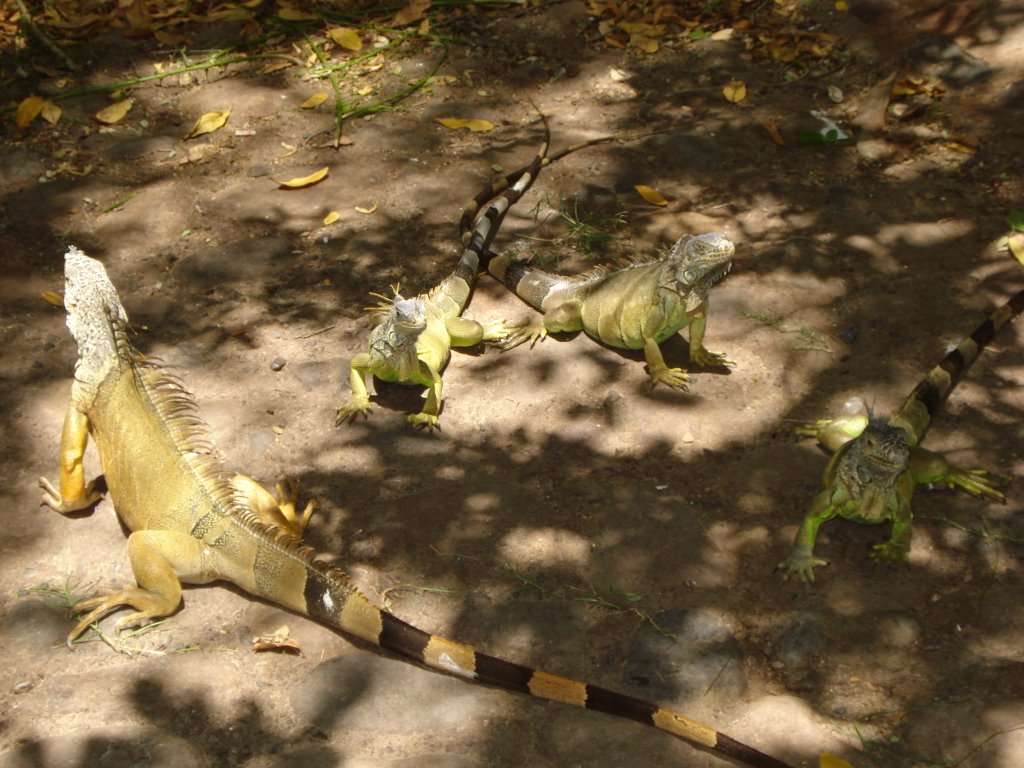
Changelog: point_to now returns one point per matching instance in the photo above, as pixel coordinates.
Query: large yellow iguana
(412, 340)
(877, 464)
(636, 306)
(189, 524)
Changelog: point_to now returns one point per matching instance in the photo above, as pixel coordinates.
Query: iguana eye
(689, 276)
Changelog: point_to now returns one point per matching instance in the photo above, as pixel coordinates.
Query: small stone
(278, 364)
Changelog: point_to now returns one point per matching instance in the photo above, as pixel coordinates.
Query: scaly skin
(878, 464)
(637, 306)
(190, 523)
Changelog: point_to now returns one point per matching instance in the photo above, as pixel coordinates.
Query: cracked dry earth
(566, 516)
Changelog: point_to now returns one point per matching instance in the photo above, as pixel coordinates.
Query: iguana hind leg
(277, 510)
(930, 467)
(74, 493)
(160, 561)
(464, 332)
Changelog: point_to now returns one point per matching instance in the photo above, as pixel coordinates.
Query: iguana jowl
(412, 340)
(189, 524)
(877, 464)
(636, 306)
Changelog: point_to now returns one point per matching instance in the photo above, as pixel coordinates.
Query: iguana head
(870, 467)
(94, 312)
(695, 263)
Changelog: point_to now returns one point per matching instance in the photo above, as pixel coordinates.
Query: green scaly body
(191, 523)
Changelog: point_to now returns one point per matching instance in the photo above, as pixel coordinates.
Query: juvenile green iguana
(189, 524)
(412, 340)
(636, 306)
(877, 464)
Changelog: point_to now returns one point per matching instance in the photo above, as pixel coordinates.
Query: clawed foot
(427, 421)
(147, 607)
(706, 359)
(800, 564)
(287, 490)
(352, 409)
(52, 498)
(976, 482)
(676, 378)
(517, 334)
(889, 553)
(497, 331)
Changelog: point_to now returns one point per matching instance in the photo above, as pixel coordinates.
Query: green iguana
(189, 524)
(635, 306)
(412, 340)
(877, 464)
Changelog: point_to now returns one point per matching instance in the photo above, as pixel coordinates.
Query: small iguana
(635, 306)
(189, 524)
(877, 464)
(412, 340)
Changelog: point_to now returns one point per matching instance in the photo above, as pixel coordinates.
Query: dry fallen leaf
(735, 91)
(1016, 245)
(773, 131)
(209, 123)
(412, 12)
(278, 640)
(331, 217)
(474, 124)
(315, 100)
(371, 209)
(294, 14)
(346, 37)
(304, 181)
(52, 298)
(51, 112)
(28, 110)
(650, 194)
(828, 760)
(115, 112)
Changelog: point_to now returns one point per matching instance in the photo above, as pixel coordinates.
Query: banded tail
(915, 414)
(332, 600)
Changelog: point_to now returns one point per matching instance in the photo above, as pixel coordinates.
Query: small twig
(317, 333)
(26, 19)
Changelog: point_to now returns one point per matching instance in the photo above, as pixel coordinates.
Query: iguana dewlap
(190, 522)
(635, 306)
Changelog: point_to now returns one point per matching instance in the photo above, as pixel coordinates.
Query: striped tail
(332, 600)
(915, 414)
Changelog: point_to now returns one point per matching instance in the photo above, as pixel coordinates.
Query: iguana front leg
(277, 511)
(160, 561)
(801, 561)
(698, 354)
(896, 549)
(931, 468)
(429, 417)
(74, 494)
(660, 372)
(360, 402)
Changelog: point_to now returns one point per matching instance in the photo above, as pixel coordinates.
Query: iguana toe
(889, 553)
(517, 334)
(287, 498)
(706, 359)
(52, 498)
(977, 482)
(800, 564)
(426, 420)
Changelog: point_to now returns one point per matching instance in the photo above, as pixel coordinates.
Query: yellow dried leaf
(474, 124)
(304, 181)
(278, 640)
(366, 90)
(52, 298)
(209, 123)
(315, 100)
(842, 5)
(50, 112)
(644, 44)
(735, 91)
(783, 53)
(294, 14)
(346, 37)
(275, 66)
(369, 210)
(828, 760)
(115, 112)
(28, 110)
(651, 195)
(412, 12)
(331, 217)
(1016, 246)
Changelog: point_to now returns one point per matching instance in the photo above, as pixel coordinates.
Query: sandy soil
(566, 516)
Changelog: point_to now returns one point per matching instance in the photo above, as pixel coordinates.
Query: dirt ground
(566, 515)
